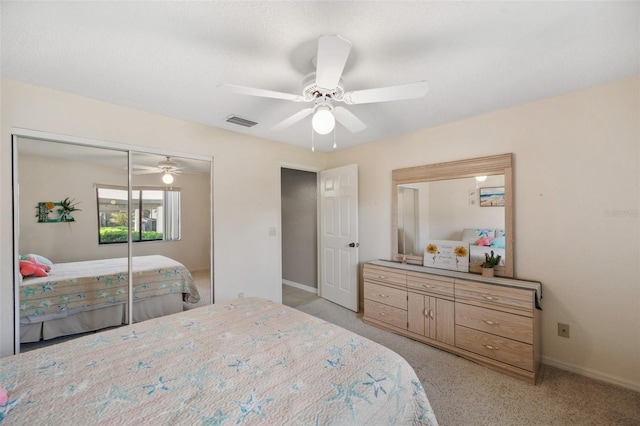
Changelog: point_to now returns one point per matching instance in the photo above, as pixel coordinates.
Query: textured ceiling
(170, 57)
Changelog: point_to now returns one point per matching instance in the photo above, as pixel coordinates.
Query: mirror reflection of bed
(467, 200)
(450, 210)
(85, 287)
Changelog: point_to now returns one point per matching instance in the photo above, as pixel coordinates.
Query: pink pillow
(31, 266)
(484, 241)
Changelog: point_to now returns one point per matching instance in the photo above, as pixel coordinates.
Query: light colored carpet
(464, 393)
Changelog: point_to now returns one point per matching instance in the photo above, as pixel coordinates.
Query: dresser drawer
(511, 299)
(508, 351)
(430, 284)
(503, 324)
(385, 275)
(385, 294)
(385, 313)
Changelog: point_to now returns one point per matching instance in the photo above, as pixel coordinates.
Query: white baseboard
(300, 286)
(591, 373)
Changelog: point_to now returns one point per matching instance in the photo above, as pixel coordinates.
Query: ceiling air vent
(240, 121)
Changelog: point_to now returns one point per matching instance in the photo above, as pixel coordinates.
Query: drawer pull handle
(428, 313)
(431, 313)
(382, 277)
(493, 348)
(383, 314)
(382, 295)
(489, 322)
(489, 297)
(427, 286)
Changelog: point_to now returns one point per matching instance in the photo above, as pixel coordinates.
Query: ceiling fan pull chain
(335, 145)
(313, 145)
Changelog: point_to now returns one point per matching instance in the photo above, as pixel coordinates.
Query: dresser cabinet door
(445, 321)
(417, 314)
(431, 317)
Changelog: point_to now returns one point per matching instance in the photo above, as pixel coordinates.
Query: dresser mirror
(440, 201)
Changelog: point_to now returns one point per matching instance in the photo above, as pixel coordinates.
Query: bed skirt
(99, 318)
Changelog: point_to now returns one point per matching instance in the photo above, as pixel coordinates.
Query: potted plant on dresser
(489, 263)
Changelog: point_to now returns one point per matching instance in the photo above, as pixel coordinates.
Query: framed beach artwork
(492, 196)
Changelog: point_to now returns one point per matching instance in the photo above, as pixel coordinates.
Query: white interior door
(339, 236)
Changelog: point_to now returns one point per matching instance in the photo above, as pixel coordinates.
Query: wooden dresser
(492, 321)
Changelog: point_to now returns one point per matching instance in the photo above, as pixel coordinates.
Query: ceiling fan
(168, 169)
(325, 86)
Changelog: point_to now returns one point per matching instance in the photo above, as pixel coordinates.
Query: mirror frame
(491, 165)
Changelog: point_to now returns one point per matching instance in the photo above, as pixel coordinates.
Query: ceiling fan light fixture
(167, 178)
(323, 120)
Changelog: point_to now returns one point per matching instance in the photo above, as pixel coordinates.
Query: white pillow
(471, 235)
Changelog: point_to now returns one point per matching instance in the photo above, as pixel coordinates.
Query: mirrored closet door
(106, 236)
(170, 219)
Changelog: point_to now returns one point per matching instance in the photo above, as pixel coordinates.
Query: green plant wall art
(50, 211)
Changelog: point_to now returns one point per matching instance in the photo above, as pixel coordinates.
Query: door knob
(354, 244)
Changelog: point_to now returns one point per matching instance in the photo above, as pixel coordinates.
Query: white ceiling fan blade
(348, 120)
(147, 172)
(386, 94)
(140, 166)
(242, 90)
(293, 119)
(333, 52)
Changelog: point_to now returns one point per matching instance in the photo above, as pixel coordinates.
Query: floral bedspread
(245, 361)
(77, 286)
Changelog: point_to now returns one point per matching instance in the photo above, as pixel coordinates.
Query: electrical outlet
(563, 330)
(241, 295)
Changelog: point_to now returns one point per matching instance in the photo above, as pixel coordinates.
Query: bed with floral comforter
(58, 304)
(245, 361)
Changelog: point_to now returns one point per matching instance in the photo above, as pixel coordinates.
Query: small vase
(487, 272)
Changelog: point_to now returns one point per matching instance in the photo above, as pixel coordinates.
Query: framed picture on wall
(492, 196)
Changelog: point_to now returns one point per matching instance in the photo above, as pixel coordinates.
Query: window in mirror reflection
(155, 215)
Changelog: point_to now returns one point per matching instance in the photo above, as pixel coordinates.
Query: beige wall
(577, 227)
(246, 183)
(577, 195)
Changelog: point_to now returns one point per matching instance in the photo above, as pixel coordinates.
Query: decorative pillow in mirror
(498, 242)
(471, 235)
(484, 241)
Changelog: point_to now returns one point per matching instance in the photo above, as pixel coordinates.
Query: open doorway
(299, 204)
